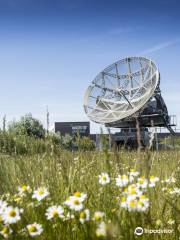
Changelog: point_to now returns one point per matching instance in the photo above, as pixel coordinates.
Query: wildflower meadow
(93, 194)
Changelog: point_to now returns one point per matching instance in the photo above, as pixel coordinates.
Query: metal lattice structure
(125, 90)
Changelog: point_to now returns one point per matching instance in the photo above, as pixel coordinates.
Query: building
(72, 128)
(120, 138)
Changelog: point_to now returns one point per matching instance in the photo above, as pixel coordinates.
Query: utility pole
(4, 123)
(156, 137)
(109, 133)
(47, 120)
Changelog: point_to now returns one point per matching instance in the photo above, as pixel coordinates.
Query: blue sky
(50, 50)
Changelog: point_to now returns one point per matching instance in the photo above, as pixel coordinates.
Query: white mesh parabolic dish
(121, 89)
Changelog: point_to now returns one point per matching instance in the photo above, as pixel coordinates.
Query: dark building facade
(72, 128)
(116, 139)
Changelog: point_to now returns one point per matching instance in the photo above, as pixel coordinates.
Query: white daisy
(34, 229)
(104, 178)
(131, 204)
(123, 202)
(6, 231)
(142, 182)
(69, 216)
(54, 212)
(11, 215)
(134, 202)
(81, 196)
(101, 230)
(122, 180)
(153, 181)
(170, 180)
(141, 207)
(3, 206)
(132, 191)
(23, 189)
(98, 216)
(133, 173)
(175, 191)
(142, 203)
(40, 193)
(74, 203)
(84, 216)
(171, 221)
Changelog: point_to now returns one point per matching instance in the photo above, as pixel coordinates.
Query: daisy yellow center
(77, 194)
(76, 202)
(132, 191)
(141, 203)
(12, 213)
(32, 229)
(17, 199)
(104, 178)
(151, 177)
(98, 217)
(82, 215)
(5, 230)
(55, 213)
(142, 197)
(123, 199)
(113, 210)
(41, 192)
(124, 177)
(132, 203)
(24, 187)
(158, 222)
(141, 181)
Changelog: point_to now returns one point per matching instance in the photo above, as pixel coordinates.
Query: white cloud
(160, 46)
(120, 30)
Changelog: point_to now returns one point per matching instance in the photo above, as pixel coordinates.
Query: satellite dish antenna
(125, 90)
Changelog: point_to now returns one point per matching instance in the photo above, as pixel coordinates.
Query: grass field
(85, 203)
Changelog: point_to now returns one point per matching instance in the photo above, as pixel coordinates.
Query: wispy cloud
(120, 30)
(160, 46)
(110, 32)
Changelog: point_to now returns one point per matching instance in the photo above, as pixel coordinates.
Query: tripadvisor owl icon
(138, 231)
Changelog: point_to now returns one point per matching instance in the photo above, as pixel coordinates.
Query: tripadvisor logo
(138, 231)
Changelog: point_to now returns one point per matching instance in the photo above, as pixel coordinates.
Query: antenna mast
(47, 120)
(4, 123)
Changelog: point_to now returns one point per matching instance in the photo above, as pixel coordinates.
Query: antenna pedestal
(153, 114)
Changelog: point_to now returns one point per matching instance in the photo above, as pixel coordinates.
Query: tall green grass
(64, 172)
(13, 144)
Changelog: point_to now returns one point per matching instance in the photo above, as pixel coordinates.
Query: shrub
(10, 143)
(27, 126)
(84, 143)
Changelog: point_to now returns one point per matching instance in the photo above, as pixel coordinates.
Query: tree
(67, 141)
(28, 126)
